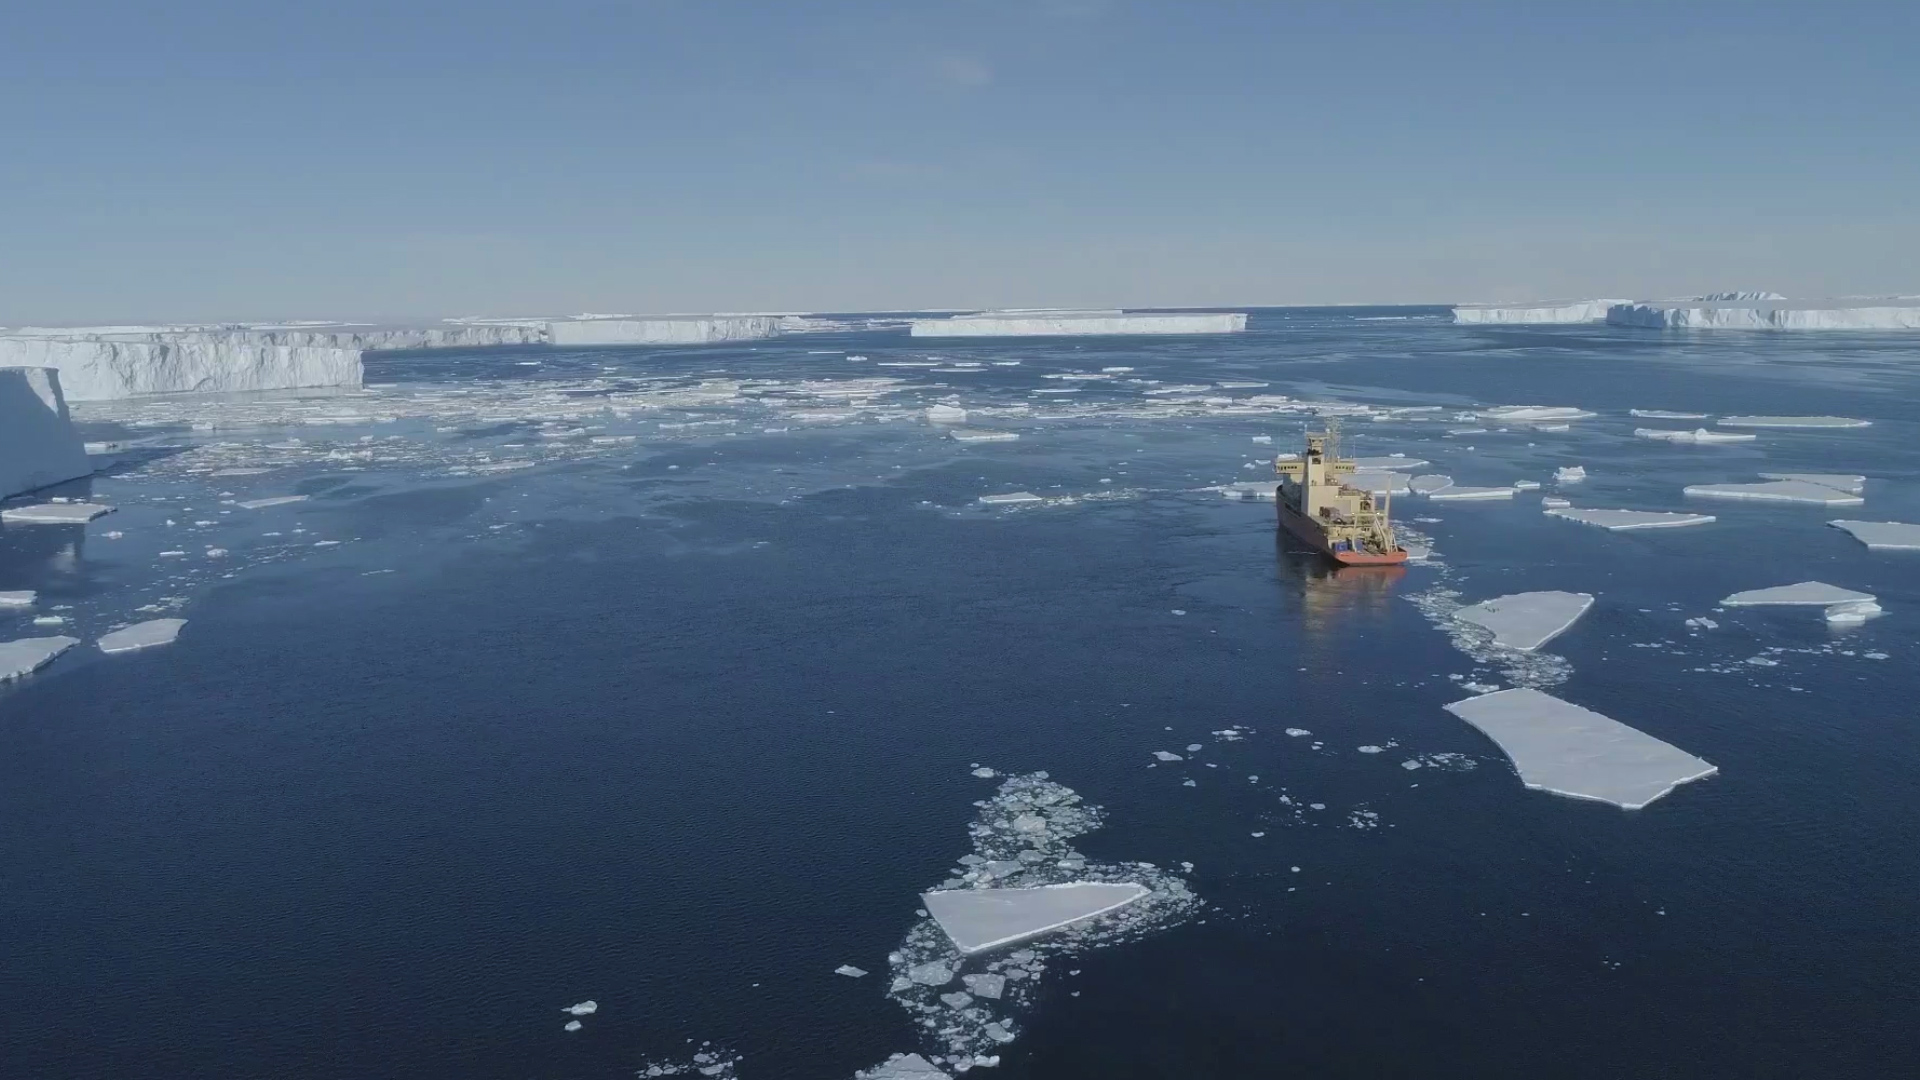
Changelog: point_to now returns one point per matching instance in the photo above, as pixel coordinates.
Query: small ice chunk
(1194, 748)
(1526, 485)
(25, 656)
(1526, 621)
(1010, 498)
(1624, 520)
(946, 414)
(584, 1008)
(1794, 422)
(1263, 439)
(985, 773)
(980, 919)
(1662, 414)
(1697, 435)
(1570, 474)
(54, 514)
(143, 635)
(1560, 747)
(1167, 755)
(933, 972)
(18, 599)
(985, 986)
(958, 999)
(1554, 502)
(1298, 732)
(572, 1025)
(1847, 482)
(850, 971)
(1877, 535)
(1370, 749)
(1794, 491)
(1429, 483)
(278, 500)
(1853, 613)
(1805, 593)
(1471, 494)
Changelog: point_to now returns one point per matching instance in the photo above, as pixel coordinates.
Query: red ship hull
(1308, 533)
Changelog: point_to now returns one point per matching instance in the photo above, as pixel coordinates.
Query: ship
(1320, 509)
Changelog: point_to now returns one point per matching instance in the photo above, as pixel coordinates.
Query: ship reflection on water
(1331, 595)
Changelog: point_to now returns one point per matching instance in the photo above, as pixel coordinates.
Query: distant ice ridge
(1770, 311)
(1535, 313)
(1052, 323)
(38, 443)
(663, 330)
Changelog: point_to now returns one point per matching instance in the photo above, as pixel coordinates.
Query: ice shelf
(1470, 494)
(1076, 323)
(1793, 422)
(1803, 594)
(1793, 491)
(1534, 313)
(1526, 621)
(980, 919)
(1626, 520)
(54, 513)
(1770, 311)
(39, 446)
(1854, 485)
(1697, 435)
(1877, 535)
(142, 635)
(21, 658)
(1560, 747)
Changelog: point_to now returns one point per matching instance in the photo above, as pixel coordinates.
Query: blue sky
(200, 160)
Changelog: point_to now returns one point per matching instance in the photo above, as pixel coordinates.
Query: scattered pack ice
(1526, 621)
(903, 1067)
(1625, 520)
(1560, 747)
(54, 513)
(143, 635)
(1876, 535)
(28, 655)
(1064, 323)
(39, 446)
(1793, 491)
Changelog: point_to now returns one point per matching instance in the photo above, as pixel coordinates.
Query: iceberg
(54, 514)
(663, 330)
(1070, 323)
(1697, 435)
(1534, 313)
(1570, 474)
(1803, 594)
(1794, 422)
(1793, 491)
(39, 446)
(1626, 520)
(21, 658)
(1560, 747)
(98, 368)
(1769, 311)
(584, 1008)
(1854, 485)
(946, 414)
(142, 635)
(1876, 535)
(1526, 621)
(980, 919)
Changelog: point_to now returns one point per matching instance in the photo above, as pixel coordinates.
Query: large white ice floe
(277, 500)
(1251, 489)
(1526, 621)
(1533, 414)
(1429, 483)
(25, 656)
(1051, 323)
(1697, 435)
(39, 446)
(1882, 535)
(904, 1067)
(1627, 520)
(1847, 482)
(1801, 594)
(1770, 311)
(54, 513)
(1560, 747)
(1793, 422)
(1470, 494)
(143, 635)
(1534, 313)
(980, 919)
(1020, 898)
(1011, 498)
(1792, 491)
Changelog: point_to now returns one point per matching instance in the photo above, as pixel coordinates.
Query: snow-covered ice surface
(1563, 748)
(1846, 482)
(1791, 491)
(63, 513)
(1629, 520)
(1526, 621)
(142, 635)
(1457, 493)
(1534, 313)
(1769, 311)
(38, 444)
(980, 919)
(1882, 535)
(1803, 594)
(25, 656)
(996, 324)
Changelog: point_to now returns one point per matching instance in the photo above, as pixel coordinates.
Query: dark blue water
(683, 749)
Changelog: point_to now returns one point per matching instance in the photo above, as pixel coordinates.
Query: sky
(201, 160)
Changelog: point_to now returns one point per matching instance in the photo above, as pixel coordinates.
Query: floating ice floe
(1555, 502)
(1853, 612)
(1167, 755)
(1429, 483)
(1378, 483)
(1011, 498)
(1533, 414)
(946, 414)
(980, 919)
(1793, 422)
(143, 635)
(572, 1025)
(1697, 435)
(850, 971)
(1560, 747)
(982, 435)
(1470, 494)
(1625, 520)
(278, 500)
(904, 1067)
(17, 599)
(584, 1008)
(1526, 621)
(25, 656)
(1251, 489)
(1662, 414)
(1803, 594)
(1793, 491)
(1389, 463)
(54, 514)
(1876, 535)
(1853, 485)
(1570, 474)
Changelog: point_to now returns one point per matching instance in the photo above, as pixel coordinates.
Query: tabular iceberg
(1048, 323)
(96, 368)
(1770, 311)
(663, 330)
(1534, 313)
(38, 443)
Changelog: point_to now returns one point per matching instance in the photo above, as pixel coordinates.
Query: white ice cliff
(1770, 311)
(38, 443)
(1535, 313)
(1048, 323)
(663, 330)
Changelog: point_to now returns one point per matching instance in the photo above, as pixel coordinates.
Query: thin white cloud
(964, 71)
